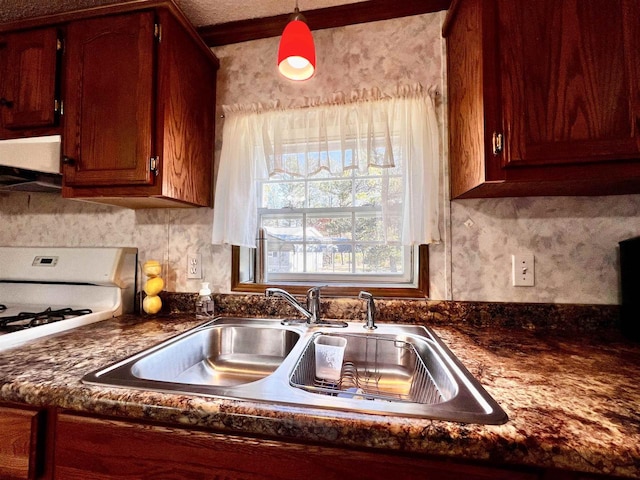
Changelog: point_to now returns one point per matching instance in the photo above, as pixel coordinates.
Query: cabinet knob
(68, 161)
(5, 103)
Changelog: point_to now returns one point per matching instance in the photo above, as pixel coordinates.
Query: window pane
(371, 228)
(284, 257)
(368, 192)
(294, 162)
(273, 222)
(283, 195)
(379, 259)
(283, 228)
(395, 191)
(326, 258)
(334, 229)
(330, 194)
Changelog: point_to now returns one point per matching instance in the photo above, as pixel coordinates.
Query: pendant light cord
(296, 15)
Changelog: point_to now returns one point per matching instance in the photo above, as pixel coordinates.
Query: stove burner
(30, 319)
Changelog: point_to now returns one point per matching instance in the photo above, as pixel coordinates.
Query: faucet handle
(314, 292)
(371, 310)
(313, 303)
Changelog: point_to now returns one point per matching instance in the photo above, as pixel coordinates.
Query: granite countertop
(572, 400)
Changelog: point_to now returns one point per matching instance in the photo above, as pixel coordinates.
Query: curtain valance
(366, 129)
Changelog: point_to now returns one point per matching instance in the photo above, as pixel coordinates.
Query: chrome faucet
(312, 310)
(371, 310)
(313, 304)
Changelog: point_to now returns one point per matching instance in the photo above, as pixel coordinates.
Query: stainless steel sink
(401, 370)
(393, 368)
(212, 358)
(219, 355)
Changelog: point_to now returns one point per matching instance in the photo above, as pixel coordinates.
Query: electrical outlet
(522, 270)
(194, 265)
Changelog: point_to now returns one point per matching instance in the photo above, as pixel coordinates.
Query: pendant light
(297, 53)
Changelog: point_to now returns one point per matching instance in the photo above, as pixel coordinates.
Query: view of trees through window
(333, 224)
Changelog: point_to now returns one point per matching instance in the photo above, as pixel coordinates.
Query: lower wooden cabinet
(37, 444)
(113, 449)
(22, 443)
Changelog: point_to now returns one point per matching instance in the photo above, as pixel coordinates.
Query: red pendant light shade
(297, 52)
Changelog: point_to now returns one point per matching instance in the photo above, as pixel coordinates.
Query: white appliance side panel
(98, 266)
(97, 298)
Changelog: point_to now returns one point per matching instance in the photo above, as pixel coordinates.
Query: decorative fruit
(152, 268)
(153, 286)
(152, 304)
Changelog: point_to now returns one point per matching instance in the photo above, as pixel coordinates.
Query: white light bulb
(298, 62)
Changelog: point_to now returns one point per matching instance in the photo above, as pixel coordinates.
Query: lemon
(152, 304)
(153, 286)
(152, 268)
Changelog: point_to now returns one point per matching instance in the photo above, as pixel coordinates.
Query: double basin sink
(403, 370)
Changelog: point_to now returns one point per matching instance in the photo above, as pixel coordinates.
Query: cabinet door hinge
(157, 32)
(497, 143)
(58, 106)
(153, 165)
(59, 45)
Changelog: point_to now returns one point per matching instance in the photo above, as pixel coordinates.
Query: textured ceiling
(200, 12)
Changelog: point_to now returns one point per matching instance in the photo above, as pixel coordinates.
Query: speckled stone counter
(572, 399)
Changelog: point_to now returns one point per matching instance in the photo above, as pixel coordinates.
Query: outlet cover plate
(194, 266)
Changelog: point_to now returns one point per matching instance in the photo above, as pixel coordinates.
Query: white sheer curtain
(376, 130)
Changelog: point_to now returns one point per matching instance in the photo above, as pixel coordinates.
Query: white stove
(45, 291)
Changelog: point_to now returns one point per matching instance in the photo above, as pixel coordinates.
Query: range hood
(30, 164)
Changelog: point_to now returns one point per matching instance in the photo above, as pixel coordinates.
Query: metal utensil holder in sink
(375, 367)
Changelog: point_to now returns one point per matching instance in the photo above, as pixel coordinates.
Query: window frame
(417, 288)
(421, 290)
(305, 209)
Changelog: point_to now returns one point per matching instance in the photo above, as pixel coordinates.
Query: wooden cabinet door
(21, 443)
(109, 100)
(569, 81)
(114, 449)
(544, 97)
(28, 79)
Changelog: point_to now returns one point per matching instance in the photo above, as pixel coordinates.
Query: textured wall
(574, 239)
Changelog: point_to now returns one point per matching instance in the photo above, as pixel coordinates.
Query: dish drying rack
(367, 374)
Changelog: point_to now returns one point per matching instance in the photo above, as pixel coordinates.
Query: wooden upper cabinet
(544, 97)
(28, 84)
(139, 110)
(570, 95)
(109, 94)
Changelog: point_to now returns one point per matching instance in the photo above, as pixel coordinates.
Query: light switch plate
(522, 270)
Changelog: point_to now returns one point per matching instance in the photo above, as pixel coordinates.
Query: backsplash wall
(574, 239)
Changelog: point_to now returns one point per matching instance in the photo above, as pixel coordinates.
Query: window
(345, 195)
(332, 227)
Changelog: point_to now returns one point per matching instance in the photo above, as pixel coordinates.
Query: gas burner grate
(26, 320)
